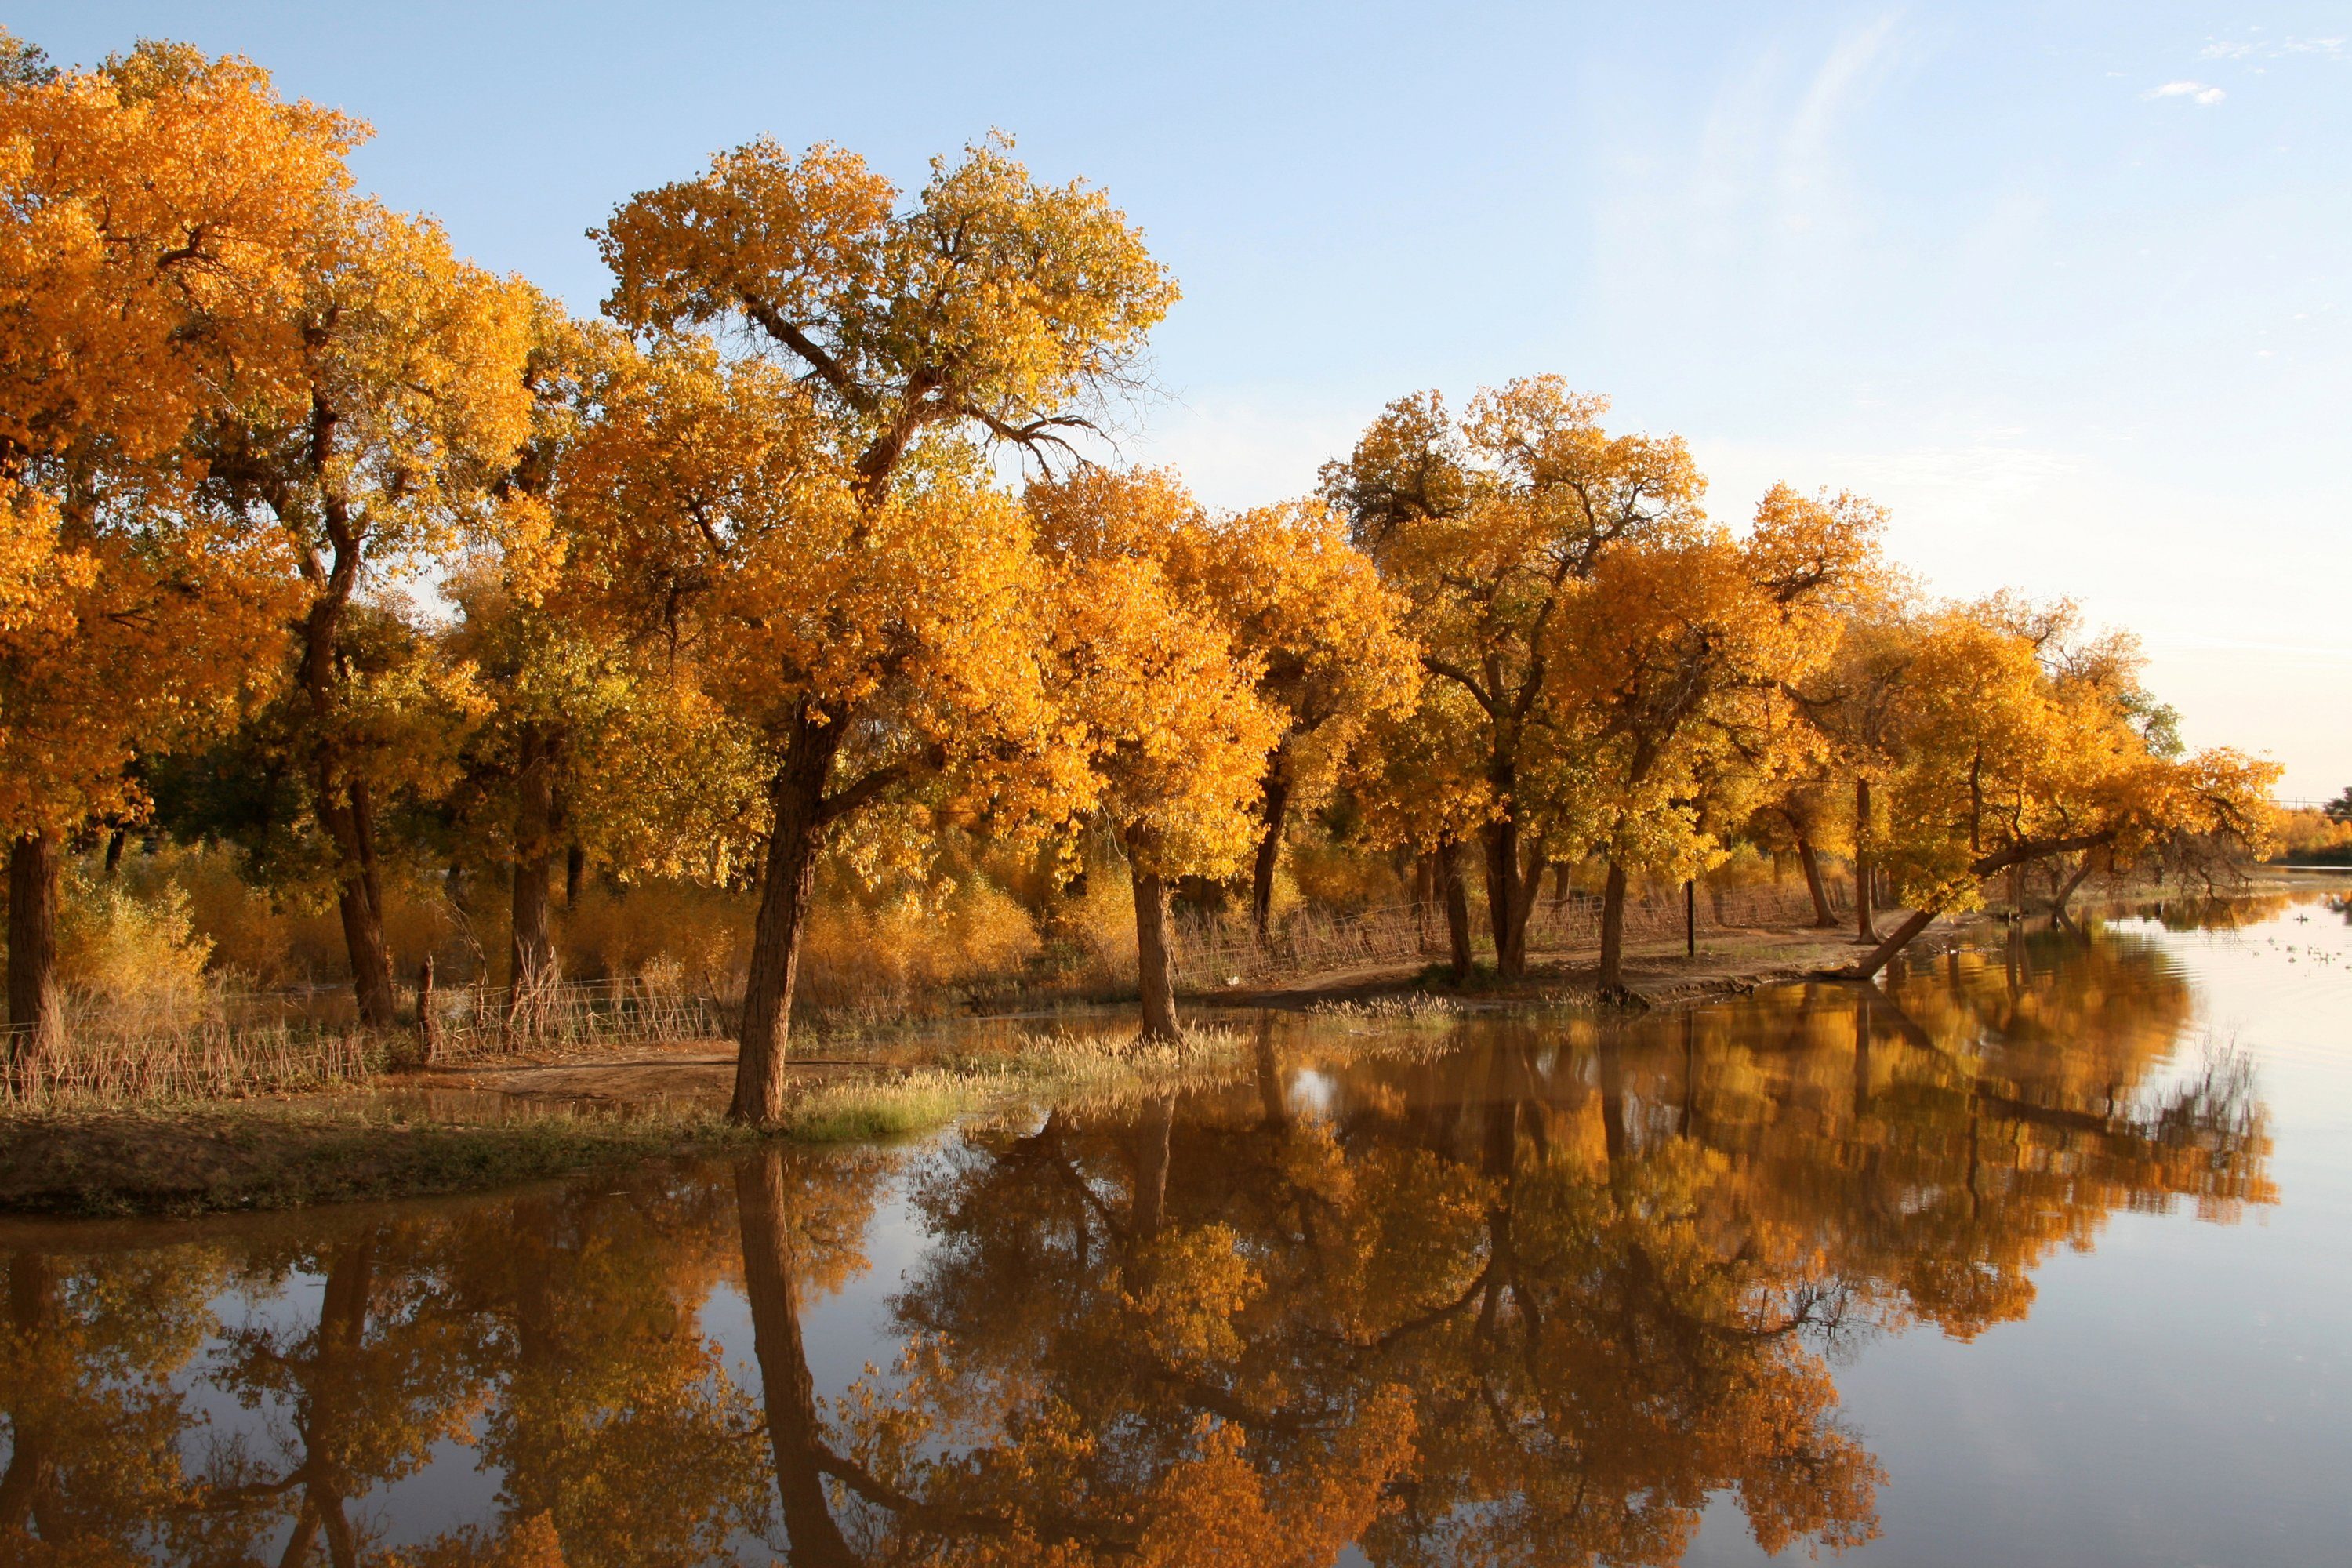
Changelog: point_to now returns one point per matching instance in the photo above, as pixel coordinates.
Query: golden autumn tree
(1674, 658)
(413, 407)
(2009, 746)
(1164, 702)
(157, 211)
(592, 741)
(1487, 523)
(1291, 590)
(877, 600)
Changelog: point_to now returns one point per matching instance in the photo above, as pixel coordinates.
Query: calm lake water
(2042, 1254)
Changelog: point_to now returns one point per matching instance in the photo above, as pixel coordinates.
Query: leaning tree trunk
(1865, 928)
(2066, 891)
(1823, 916)
(1457, 910)
(1155, 966)
(1276, 810)
(1612, 933)
(532, 949)
(787, 887)
(1875, 960)
(35, 863)
(787, 1390)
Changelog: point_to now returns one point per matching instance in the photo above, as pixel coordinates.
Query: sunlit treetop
(989, 302)
(155, 217)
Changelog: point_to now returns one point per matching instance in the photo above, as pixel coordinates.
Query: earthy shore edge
(632, 1106)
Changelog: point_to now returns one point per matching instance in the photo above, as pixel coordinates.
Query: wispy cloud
(2270, 48)
(2196, 92)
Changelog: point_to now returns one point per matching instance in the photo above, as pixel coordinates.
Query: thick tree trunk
(1824, 917)
(787, 1390)
(531, 962)
(787, 885)
(35, 863)
(1269, 847)
(1506, 897)
(1457, 910)
(1612, 933)
(1865, 928)
(1155, 966)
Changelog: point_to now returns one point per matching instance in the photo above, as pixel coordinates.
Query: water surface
(2039, 1254)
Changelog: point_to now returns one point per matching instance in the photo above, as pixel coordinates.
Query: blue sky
(2069, 287)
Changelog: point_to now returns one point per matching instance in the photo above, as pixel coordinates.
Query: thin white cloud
(2270, 49)
(2196, 92)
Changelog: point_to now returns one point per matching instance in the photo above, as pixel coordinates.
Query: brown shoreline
(499, 1123)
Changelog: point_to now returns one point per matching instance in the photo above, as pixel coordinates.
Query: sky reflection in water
(1918, 1273)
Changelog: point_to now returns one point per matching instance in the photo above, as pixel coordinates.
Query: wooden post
(1690, 917)
(428, 1029)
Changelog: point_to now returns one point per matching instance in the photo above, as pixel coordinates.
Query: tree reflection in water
(1536, 1294)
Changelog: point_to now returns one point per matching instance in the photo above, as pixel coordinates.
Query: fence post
(428, 1029)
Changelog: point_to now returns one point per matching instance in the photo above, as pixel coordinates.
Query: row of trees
(732, 578)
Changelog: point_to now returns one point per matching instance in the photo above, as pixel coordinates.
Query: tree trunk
(1506, 897)
(575, 866)
(342, 804)
(1875, 960)
(787, 884)
(1865, 928)
(1155, 966)
(1457, 910)
(1269, 847)
(530, 963)
(787, 1390)
(35, 863)
(2058, 904)
(1824, 917)
(345, 812)
(1612, 933)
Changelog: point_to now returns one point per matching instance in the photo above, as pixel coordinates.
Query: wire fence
(308, 1039)
(1227, 950)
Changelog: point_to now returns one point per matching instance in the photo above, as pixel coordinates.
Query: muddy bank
(504, 1120)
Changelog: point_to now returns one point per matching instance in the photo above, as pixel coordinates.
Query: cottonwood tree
(153, 215)
(1292, 591)
(1486, 524)
(878, 609)
(412, 406)
(598, 735)
(1672, 660)
(1167, 705)
(2012, 748)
